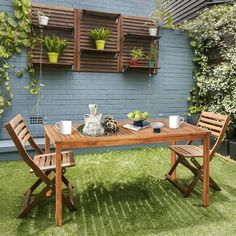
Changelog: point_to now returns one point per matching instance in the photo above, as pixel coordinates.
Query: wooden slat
(20, 127)
(211, 121)
(208, 126)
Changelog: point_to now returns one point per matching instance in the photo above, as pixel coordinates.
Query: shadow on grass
(143, 205)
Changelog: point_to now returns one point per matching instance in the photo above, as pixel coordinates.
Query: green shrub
(212, 37)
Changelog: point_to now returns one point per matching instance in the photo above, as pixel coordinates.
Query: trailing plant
(136, 53)
(99, 34)
(14, 36)
(161, 13)
(213, 39)
(54, 44)
(153, 52)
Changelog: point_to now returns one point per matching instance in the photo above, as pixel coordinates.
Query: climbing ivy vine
(213, 39)
(14, 38)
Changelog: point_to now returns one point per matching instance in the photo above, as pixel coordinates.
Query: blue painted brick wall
(67, 94)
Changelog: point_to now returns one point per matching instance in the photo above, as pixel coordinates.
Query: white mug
(93, 109)
(175, 121)
(64, 126)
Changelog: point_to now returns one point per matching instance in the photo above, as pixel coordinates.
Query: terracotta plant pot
(53, 57)
(100, 44)
(134, 62)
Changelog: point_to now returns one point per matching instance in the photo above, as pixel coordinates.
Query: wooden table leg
(47, 144)
(173, 160)
(58, 186)
(206, 164)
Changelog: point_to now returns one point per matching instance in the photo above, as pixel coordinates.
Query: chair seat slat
(48, 161)
(188, 150)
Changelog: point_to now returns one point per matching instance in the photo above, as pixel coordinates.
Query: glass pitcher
(93, 125)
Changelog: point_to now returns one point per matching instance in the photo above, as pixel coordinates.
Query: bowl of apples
(138, 117)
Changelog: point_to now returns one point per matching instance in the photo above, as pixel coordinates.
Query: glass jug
(93, 125)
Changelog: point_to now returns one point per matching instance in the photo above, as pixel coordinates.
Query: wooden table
(125, 137)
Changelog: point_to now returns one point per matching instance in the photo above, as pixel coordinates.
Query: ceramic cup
(93, 109)
(64, 126)
(175, 121)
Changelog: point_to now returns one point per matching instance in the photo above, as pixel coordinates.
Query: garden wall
(67, 94)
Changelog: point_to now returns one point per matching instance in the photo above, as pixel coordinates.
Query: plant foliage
(54, 44)
(136, 53)
(14, 36)
(161, 13)
(99, 34)
(213, 40)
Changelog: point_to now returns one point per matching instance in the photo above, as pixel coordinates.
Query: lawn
(122, 193)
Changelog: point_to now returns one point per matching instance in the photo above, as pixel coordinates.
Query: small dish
(157, 125)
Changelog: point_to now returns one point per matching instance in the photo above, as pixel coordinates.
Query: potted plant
(100, 37)
(152, 26)
(136, 54)
(54, 46)
(152, 55)
(43, 20)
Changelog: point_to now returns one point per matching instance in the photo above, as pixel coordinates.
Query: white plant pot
(43, 20)
(152, 31)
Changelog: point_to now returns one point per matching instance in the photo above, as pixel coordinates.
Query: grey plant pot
(232, 145)
(193, 119)
(224, 148)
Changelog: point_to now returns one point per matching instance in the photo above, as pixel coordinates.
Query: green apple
(137, 112)
(138, 116)
(146, 114)
(131, 115)
(143, 116)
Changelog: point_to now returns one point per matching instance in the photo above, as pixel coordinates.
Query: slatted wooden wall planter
(61, 23)
(90, 58)
(135, 34)
(81, 54)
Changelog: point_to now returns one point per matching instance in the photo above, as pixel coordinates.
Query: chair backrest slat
(216, 124)
(20, 135)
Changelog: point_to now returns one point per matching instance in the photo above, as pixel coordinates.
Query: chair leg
(193, 183)
(27, 205)
(179, 186)
(212, 183)
(174, 167)
(68, 201)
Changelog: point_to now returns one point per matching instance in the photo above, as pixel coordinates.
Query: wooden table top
(125, 136)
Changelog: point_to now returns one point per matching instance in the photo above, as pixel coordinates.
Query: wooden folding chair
(216, 124)
(42, 165)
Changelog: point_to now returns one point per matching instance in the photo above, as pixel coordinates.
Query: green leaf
(20, 74)
(18, 13)
(3, 17)
(26, 43)
(18, 50)
(3, 52)
(12, 22)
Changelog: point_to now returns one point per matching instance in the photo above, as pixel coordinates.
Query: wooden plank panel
(95, 60)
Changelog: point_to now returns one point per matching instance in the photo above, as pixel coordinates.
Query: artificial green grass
(122, 193)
